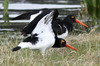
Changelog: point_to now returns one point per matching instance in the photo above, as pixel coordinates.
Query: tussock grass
(87, 55)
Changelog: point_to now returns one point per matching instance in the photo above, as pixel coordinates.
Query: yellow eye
(73, 16)
(62, 41)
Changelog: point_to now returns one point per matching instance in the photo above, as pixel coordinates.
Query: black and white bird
(60, 27)
(63, 27)
(42, 37)
(30, 42)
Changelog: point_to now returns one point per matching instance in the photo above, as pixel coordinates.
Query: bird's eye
(62, 41)
(73, 17)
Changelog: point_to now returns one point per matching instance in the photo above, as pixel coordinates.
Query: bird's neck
(68, 24)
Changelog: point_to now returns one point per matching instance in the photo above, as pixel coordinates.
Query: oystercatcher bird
(63, 27)
(42, 37)
(35, 43)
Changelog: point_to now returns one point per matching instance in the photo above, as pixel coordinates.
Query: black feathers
(16, 48)
(25, 15)
(33, 39)
(59, 43)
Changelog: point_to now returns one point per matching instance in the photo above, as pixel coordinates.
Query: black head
(62, 43)
(59, 43)
(70, 18)
(68, 22)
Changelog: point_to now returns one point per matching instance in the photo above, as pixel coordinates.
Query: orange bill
(81, 23)
(67, 45)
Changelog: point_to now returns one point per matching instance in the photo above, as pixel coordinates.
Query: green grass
(88, 53)
(6, 14)
(90, 10)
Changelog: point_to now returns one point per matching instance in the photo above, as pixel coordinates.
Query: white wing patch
(34, 16)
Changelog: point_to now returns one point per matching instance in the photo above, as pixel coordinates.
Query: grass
(87, 55)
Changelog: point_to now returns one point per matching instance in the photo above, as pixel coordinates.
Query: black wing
(25, 15)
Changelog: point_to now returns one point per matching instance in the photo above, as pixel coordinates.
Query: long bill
(81, 23)
(67, 45)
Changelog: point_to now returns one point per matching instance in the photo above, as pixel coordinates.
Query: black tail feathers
(16, 48)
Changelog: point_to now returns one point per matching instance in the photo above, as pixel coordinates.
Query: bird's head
(64, 44)
(72, 19)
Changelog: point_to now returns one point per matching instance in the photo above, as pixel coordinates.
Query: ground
(88, 54)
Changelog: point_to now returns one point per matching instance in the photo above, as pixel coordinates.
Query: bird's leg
(42, 51)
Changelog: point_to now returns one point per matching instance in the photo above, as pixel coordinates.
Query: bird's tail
(16, 48)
